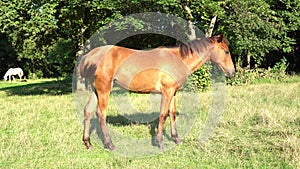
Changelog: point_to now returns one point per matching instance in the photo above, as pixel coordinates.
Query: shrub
(199, 80)
(248, 76)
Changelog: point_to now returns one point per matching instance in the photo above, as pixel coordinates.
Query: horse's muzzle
(230, 72)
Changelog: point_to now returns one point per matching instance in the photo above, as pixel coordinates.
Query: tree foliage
(44, 36)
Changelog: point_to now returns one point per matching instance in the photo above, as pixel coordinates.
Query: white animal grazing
(13, 71)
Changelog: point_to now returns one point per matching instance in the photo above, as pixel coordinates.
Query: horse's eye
(227, 52)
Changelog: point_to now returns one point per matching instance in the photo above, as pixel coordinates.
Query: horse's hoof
(87, 144)
(110, 146)
(177, 140)
(89, 147)
(160, 143)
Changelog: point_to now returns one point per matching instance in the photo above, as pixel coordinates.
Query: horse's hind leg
(88, 112)
(172, 113)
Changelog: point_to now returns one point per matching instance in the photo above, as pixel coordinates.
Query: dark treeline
(44, 36)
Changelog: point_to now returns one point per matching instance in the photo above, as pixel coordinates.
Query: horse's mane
(197, 45)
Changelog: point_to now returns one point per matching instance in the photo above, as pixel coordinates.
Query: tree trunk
(248, 59)
(192, 34)
(85, 33)
(211, 27)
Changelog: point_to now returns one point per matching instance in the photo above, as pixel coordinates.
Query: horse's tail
(7, 74)
(76, 78)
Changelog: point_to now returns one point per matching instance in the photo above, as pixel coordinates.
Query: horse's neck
(193, 61)
(197, 60)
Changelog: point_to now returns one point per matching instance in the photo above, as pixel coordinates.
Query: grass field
(260, 128)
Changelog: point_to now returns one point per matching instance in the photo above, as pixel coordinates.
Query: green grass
(260, 128)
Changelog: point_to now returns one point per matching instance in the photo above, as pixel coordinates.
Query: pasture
(260, 128)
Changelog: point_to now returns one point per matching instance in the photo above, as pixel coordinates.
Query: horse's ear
(184, 49)
(220, 38)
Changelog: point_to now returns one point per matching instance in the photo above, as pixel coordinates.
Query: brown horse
(161, 70)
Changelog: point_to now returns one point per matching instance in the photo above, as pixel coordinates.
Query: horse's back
(20, 70)
(15, 70)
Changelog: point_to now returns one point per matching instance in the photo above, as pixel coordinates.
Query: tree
(8, 57)
(251, 29)
(288, 12)
(30, 27)
(40, 30)
(254, 29)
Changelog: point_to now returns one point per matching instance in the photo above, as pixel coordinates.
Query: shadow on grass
(122, 121)
(55, 87)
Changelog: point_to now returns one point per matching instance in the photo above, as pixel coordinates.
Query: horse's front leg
(103, 96)
(172, 113)
(164, 109)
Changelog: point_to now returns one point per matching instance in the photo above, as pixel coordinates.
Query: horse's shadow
(120, 121)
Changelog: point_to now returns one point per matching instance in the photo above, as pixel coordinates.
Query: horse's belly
(146, 81)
